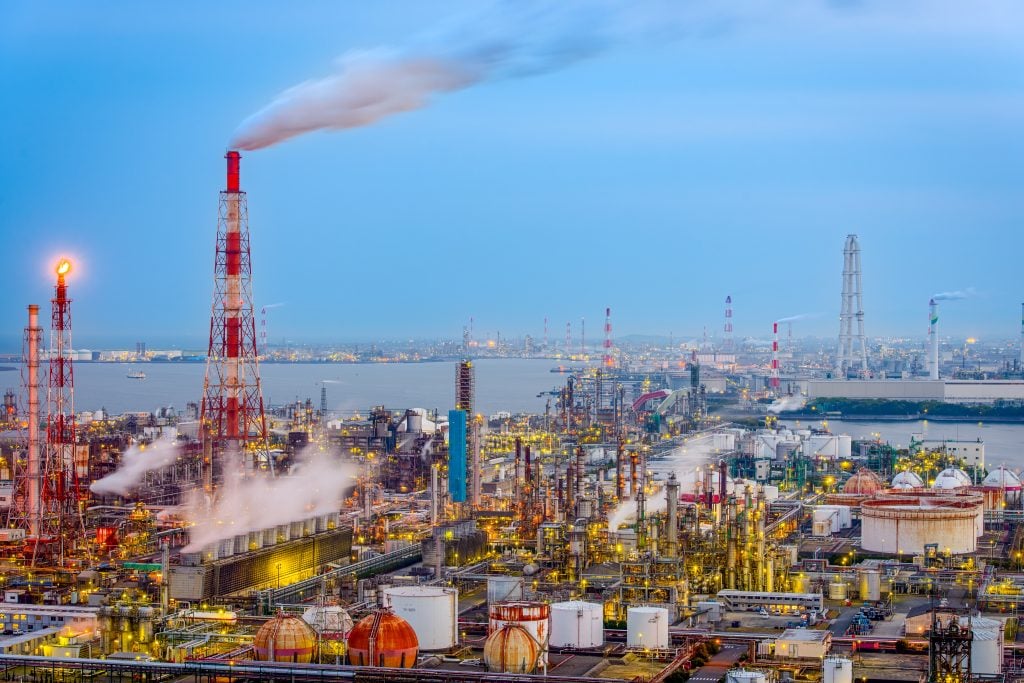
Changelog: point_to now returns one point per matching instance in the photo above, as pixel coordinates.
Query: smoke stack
(583, 337)
(727, 330)
(933, 339)
(233, 163)
(1022, 336)
(33, 333)
(672, 493)
(608, 362)
(775, 358)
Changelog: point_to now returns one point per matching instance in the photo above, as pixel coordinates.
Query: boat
(136, 374)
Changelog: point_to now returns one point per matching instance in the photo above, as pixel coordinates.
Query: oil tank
(745, 676)
(577, 624)
(904, 524)
(383, 639)
(511, 649)
(285, 638)
(647, 627)
(800, 583)
(987, 646)
(535, 617)
(837, 590)
(431, 611)
(504, 589)
(837, 670)
(870, 587)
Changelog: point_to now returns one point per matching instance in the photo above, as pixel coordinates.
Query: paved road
(717, 666)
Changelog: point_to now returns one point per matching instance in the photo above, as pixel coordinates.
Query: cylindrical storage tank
(745, 676)
(145, 624)
(431, 611)
(837, 590)
(647, 627)
(285, 638)
(837, 670)
(413, 422)
(383, 639)
(800, 583)
(504, 589)
(987, 646)
(577, 624)
(905, 524)
(511, 649)
(535, 617)
(870, 587)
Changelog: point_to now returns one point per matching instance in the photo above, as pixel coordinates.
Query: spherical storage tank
(511, 649)
(332, 623)
(1009, 482)
(907, 480)
(864, 483)
(383, 639)
(745, 676)
(837, 670)
(577, 624)
(431, 611)
(951, 478)
(285, 638)
(535, 617)
(647, 627)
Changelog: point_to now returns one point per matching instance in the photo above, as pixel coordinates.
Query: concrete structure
(24, 618)
(802, 643)
(431, 611)
(853, 355)
(577, 624)
(906, 524)
(951, 391)
(739, 601)
(647, 628)
(837, 670)
(745, 676)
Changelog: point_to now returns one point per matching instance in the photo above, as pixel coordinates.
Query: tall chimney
(672, 493)
(775, 358)
(933, 339)
(33, 333)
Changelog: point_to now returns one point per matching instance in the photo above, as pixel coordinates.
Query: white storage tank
(577, 624)
(870, 585)
(647, 627)
(745, 676)
(987, 646)
(504, 589)
(431, 611)
(837, 670)
(837, 590)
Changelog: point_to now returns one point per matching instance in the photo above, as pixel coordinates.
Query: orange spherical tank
(864, 482)
(511, 649)
(285, 638)
(383, 639)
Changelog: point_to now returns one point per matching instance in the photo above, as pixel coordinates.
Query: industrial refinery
(661, 520)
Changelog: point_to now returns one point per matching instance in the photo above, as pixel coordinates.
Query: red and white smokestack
(33, 334)
(233, 300)
(568, 339)
(775, 357)
(608, 362)
(60, 494)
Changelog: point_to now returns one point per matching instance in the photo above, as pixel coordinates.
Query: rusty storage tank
(512, 649)
(285, 638)
(383, 639)
(535, 617)
(904, 524)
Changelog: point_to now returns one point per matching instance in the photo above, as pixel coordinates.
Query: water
(501, 384)
(1004, 443)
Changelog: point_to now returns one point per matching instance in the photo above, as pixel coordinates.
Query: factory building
(949, 390)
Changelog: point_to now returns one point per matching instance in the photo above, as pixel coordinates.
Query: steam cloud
(245, 504)
(953, 296)
(505, 40)
(794, 318)
(787, 403)
(135, 463)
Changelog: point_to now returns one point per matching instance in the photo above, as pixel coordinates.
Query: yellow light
(63, 267)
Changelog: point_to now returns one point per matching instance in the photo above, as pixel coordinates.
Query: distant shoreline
(919, 417)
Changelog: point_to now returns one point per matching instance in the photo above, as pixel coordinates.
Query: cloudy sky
(650, 156)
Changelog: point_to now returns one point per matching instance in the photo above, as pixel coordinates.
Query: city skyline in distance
(655, 180)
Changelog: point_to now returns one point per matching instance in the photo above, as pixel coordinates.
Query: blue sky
(730, 154)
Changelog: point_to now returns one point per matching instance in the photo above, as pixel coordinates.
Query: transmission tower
(853, 355)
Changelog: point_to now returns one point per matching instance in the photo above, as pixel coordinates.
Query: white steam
(794, 318)
(953, 296)
(787, 403)
(244, 504)
(135, 463)
(682, 462)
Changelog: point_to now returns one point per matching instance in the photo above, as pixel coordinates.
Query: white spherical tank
(431, 611)
(987, 646)
(647, 627)
(870, 587)
(577, 624)
(745, 676)
(837, 670)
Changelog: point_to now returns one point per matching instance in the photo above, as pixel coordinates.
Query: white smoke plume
(242, 504)
(953, 296)
(787, 403)
(135, 463)
(800, 316)
(682, 462)
(514, 38)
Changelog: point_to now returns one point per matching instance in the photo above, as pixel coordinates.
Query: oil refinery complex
(655, 522)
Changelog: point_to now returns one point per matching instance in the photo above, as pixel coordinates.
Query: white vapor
(244, 504)
(135, 463)
(794, 318)
(953, 296)
(787, 403)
